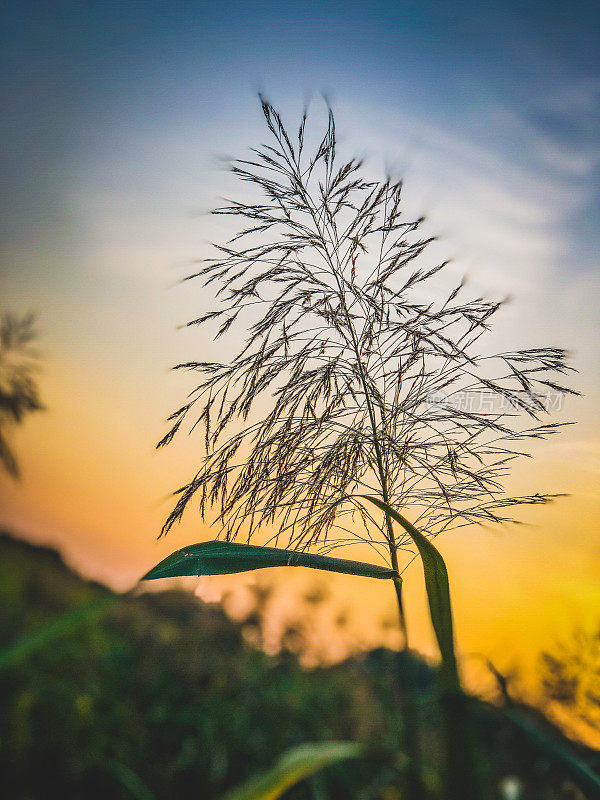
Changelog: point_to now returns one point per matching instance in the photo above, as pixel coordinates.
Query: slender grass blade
(292, 767)
(46, 635)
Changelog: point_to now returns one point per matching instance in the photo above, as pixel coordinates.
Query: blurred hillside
(158, 695)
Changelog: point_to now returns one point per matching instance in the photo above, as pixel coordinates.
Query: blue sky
(81, 80)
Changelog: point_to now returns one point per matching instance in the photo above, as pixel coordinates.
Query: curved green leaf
(294, 766)
(437, 586)
(222, 558)
(129, 779)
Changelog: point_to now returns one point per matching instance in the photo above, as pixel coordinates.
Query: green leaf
(129, 779)
(222, 558)
(437, 586)
(294, 766)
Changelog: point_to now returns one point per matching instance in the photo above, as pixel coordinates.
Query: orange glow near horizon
(94, 488)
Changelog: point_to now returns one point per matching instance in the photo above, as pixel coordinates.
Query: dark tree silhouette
(19, 394)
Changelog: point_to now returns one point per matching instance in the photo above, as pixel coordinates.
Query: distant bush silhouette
(571, 676)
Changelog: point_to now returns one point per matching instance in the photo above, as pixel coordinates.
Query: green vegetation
(161, 696)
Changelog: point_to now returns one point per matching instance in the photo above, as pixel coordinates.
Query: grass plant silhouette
(357, 380)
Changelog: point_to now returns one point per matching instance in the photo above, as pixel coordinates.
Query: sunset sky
(115, 121)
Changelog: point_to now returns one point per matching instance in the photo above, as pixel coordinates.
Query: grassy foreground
(161, 696)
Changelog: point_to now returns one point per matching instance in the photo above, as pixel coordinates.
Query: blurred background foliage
(159, 695)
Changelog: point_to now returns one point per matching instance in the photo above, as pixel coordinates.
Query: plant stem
(405, 676)
(402, 618)
(414, 788)
(463, 778)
